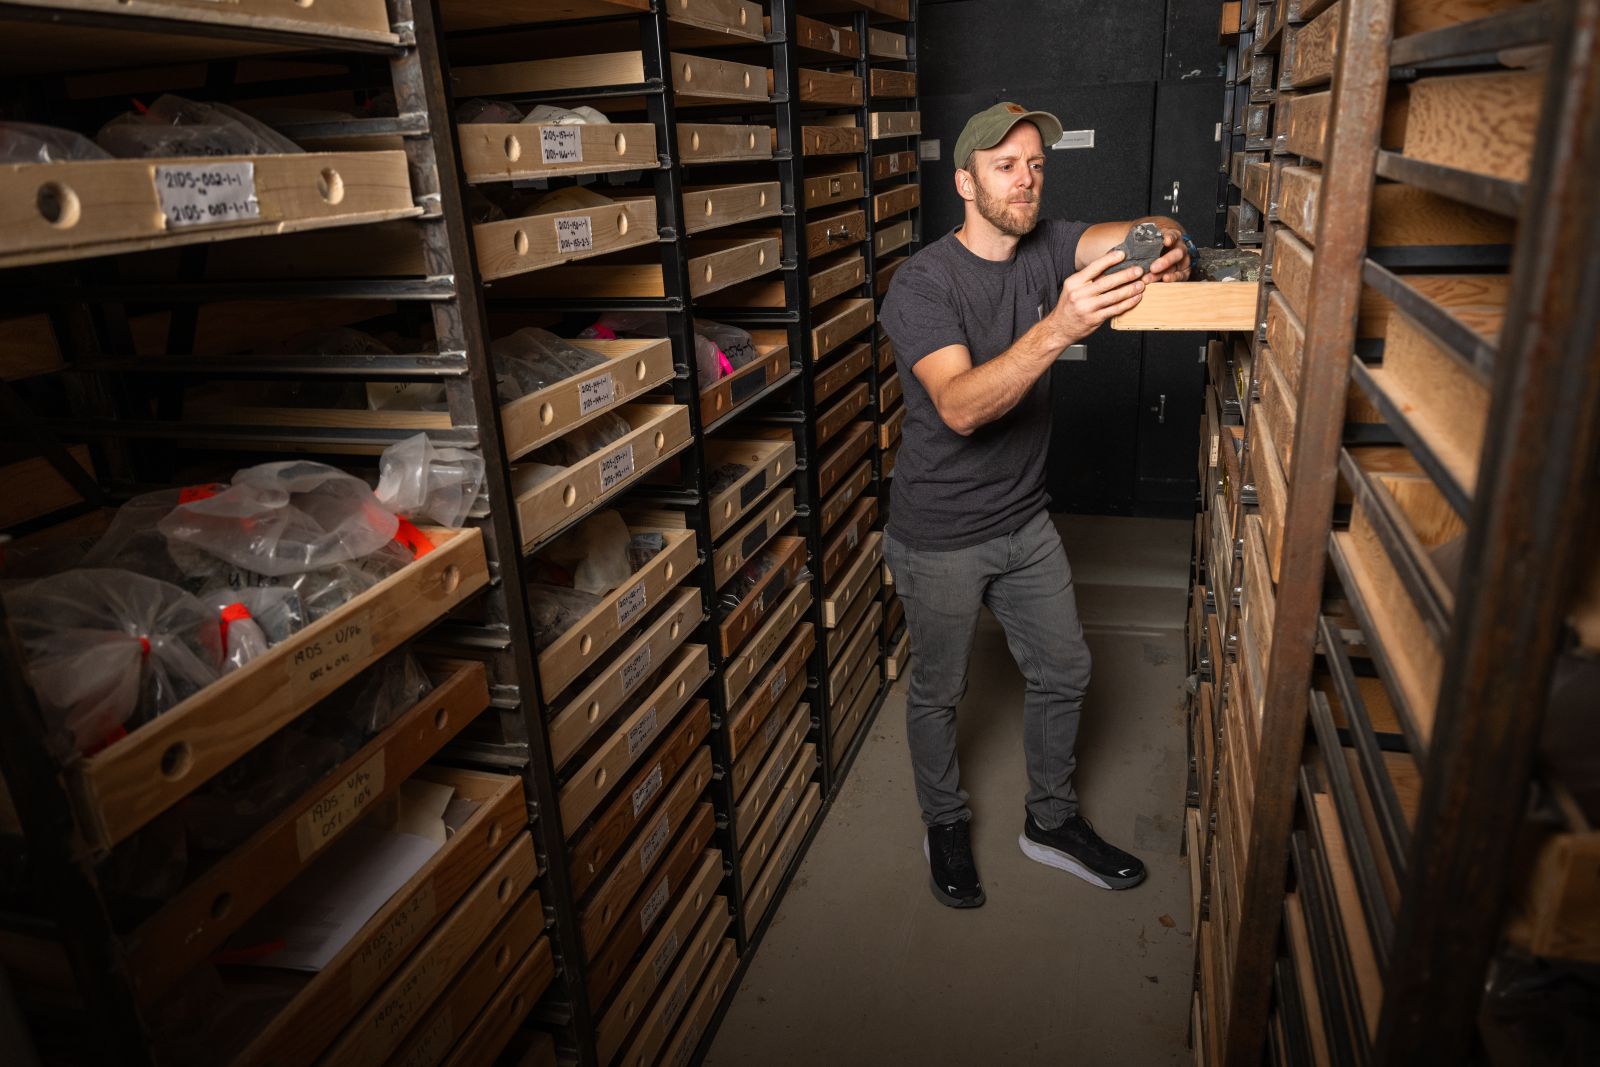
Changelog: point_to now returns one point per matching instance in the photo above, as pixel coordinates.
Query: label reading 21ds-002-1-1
(207, 194)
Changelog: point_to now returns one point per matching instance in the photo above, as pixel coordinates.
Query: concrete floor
(862, 966)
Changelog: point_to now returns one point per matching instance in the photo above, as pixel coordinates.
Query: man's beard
(999, 213)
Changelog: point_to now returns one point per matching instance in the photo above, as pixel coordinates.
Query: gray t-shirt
(951, 491)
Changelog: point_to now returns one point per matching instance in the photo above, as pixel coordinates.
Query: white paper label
(630, 604)
(894, 163)
(780, 683)
(833, 35)
(560, 144)
(852, 537)
(596, 393)
(615, 467)
(640, 735)
(647, 789)
(928, 149)
(339, 807)
(775, 777)
(653, 906)
(679, 995)
(788, 808)
(575, 234)
(651, 850)
(664, 958)
(635, 669)
(770, 731)
(206, 194)
(1075, 139)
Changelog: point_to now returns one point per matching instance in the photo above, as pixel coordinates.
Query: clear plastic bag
(734, 344)
(479, 109)
(644, 547)
(584, 441)
(388, 690)
(251, 791)
(108, 648)
(745, 581)
(285, 518)
(277, 611)
(710, 361)
(327, 589)
(526, 477)
(532, 359)
(28, 142)
(175, 126)
(420, 481)
(557, 610)
(582, 115)
(594, 555)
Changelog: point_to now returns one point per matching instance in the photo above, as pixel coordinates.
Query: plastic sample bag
(108, 648)
(532, 359)
(175, 126)
(557, 610)
(734, 344)
(582, 115)
(595, 554)
(28, 142)
(584, 441)
(479, 109)
(419, 481)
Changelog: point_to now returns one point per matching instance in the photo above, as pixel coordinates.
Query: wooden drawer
(891, 164)
(1254, 188)
(594, 851)
(196, 921)
(680, 1047)
(859, 694)
(889, 392)
(659, 431)
(825, 37)
(633, 367)
(128, 783)
(1272, 497)
(587, 642)
(752, 537)
(896, 201)
(833, 140)
(1402, 215)
(835, 232)
(489, 1034)
(1312, 49)
(827, 189)
(786, 729)
(682, 812)
(842, 547)
(771, 685)
(829, 88)
(841, 412)
(863, 642)
(881, 280)
(790, 553)
(855, 444)
(713, 142)
(894, 236)
(764, 886)
(894, 614)
(881, 44)
(1257, 601)
(836, 601)
(1482, 123)
(724, 396)
(764, 814)
(717, 263)
(329, 999)
(889, 428)
(1193, 306)
(899, 660)
(112, 206)
(546, 239)
(361, 20)
(895, 124)
(500, 152)
(770, 462)
(893, 84)
(1555, 913)
(696, 902)
(850, 487)
(1274, 414)
(38, 489)
(838, 636)
(841, 277)
(697, 79)
(707, 207)
(742, 668)
(1291, 271)
(474, 987)
(846, 369)
(1286, 337)
(885, 350)
(589, 786)
(721, 18)
(696, 961)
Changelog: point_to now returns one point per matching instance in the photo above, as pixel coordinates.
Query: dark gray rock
(1225, 265)
(1142, 247)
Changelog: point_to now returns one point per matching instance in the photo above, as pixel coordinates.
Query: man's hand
(1174, 265)
(1087, 301)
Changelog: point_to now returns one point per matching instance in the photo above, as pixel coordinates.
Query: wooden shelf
(703, 142)
(721, 22)
(893, 164)
(836, 278)
(896, 201)
(786, 728)
(885, 124)
(843, 541)
(812, 35)
(892, 237)
(899, 661)
(500, 152)
(838, 322)
(633, 367)
(698, 79)
(841, 461)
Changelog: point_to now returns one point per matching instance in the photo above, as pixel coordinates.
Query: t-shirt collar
(971, 258)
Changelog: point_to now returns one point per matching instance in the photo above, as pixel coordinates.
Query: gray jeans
(1024, 579)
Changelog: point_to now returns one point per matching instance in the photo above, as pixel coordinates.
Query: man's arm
(968, 397)
(1173, 266)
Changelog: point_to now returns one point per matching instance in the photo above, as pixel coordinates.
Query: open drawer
(787, 727)
(839, 596)
(837, 323)
(709, 207)
(689, 998)
(742, 545)
(835, 232)
(697, 79)
(128, 783)
(844, 370)
(834, 278)
(826, 189)
(765, 810)
(889, 428)
(891, 237)
(769, 462)
(633, 367)
(725, 395)
(789, 554)
(895, 124)
(499, 1021)
(683, 815)
(840, 635)
(548, 238)
(583, 645)
(833, 140)
(545, 508)
(837, 505)
(789, 666)
(501, 152)
(741, 669)
(715, 263)
(764, 888)
(829, 88)
(863, 642)
(842, 547)
(852, 446)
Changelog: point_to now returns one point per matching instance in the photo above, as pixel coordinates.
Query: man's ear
(964, 184)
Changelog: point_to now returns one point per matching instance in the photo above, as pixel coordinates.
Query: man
(977, 318)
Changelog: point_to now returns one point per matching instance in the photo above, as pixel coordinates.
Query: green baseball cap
(989, 127)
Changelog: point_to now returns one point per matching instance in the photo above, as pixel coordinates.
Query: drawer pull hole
(441, 718)
(621, 143)
(494, 834)
(176, 761)
(519, 243)
(330, 185)
(222, 905)
(585, 644)
(502, 891)
(547, 414)
(450, 581)
(58, 205)
(594, 710)
(513, 149)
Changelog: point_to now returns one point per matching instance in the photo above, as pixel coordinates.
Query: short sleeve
(1064, 237)
(920, 314)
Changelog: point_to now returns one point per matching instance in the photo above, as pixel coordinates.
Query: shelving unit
(1390, 567)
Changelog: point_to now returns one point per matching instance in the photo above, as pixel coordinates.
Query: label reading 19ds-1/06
(560, 144)
(207, 194)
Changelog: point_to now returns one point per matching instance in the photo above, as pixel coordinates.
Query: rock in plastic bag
(532, 359)
(584, 441)
(735, 344)
(253, 789)
(105, 648)
(420, 481)
(253, 620)
(175, 126)
(710, 360)
(479, 109)
(285, 518)
(596, 553)
(557, 610)
(28, 142)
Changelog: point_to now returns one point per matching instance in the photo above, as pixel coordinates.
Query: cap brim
(1049, 127)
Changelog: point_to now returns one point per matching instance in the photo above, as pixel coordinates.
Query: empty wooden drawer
(893, 84)
(829, 88)
(895, 124)
(833, 140)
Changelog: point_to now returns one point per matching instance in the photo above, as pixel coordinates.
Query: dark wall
(1147, 79)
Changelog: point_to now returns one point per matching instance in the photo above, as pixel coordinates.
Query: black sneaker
(1074, 847)
(955, 877)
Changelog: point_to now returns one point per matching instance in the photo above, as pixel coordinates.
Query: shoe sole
(945, 898)
(1054, 857)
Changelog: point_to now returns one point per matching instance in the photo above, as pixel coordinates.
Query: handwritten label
(653, 906)
(780, 683)
(769, 733)
(635, 669)
(615, 467)
(852, 537)
(401, 1009)
(833, 35)
(647, 789)
(575, 234)
(691, 1040)
(640, 733)
(679, 995)
(596, 393)
(775, 776)
(379, 954)
(664, 958)
(630, 604)
(339, 807)
(335, 656)
(207, 194)
(786, 809)
(431, 1045)
(894, 163)
(560, 144)
(650, 851)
